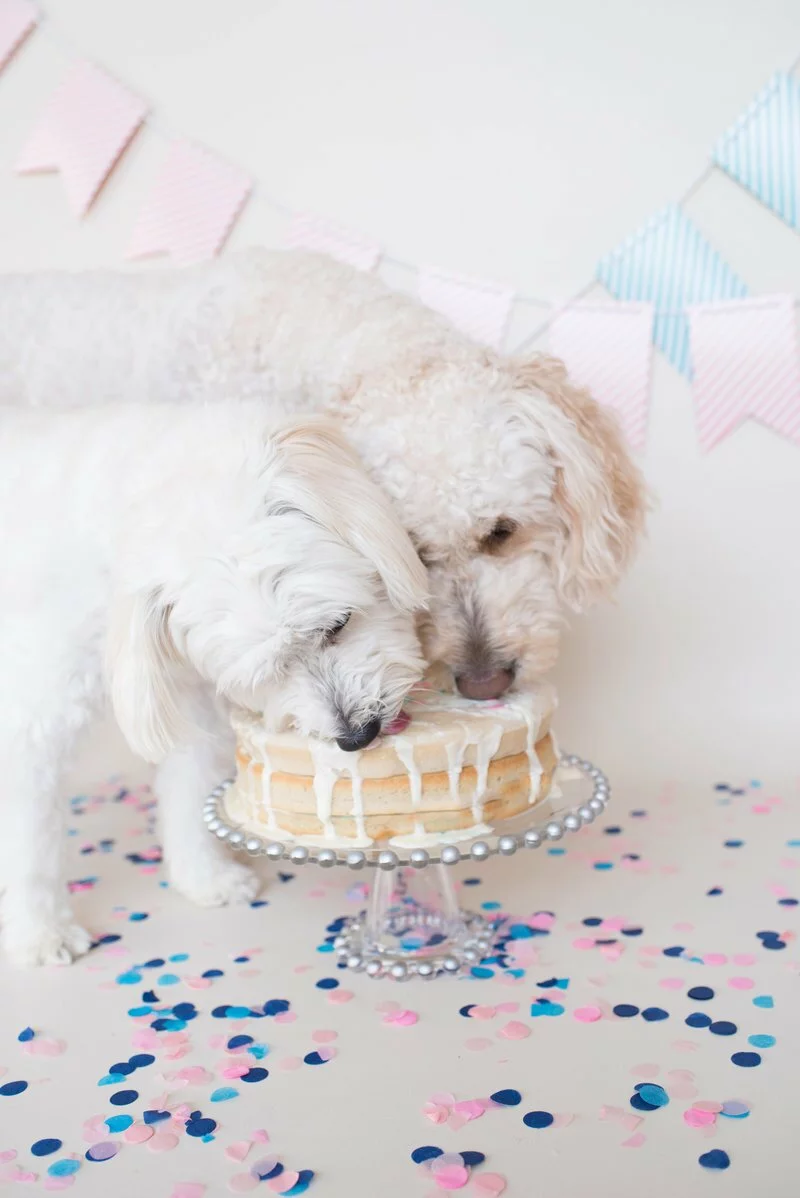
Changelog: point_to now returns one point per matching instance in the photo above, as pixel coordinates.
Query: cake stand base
(413, 926)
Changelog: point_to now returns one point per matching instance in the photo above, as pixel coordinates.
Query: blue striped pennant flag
(669, 263)
(762, 149)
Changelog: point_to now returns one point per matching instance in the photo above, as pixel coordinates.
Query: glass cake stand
(412, 924)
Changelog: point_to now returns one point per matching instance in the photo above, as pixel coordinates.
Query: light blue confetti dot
(223, 1094)
(168, 979)
(135, 1012)
(324, 948)
(118, 1122)
(129, 978)
(556, 851)
(259, 1051)
(238, 1012)
(603, 865)
(111, 1079)
(764, 1000)
(63, 1168)
(761, 1041)
(179, 957)
(491, 906)
(479, 971)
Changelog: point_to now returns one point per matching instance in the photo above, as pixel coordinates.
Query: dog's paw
(46, 944)
(227, 882)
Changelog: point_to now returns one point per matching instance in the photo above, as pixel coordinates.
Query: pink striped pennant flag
(84, 129)
(477, 307)
(192, 206)
(17, 19)
(607, 348)
(310, 232)
(745, 365)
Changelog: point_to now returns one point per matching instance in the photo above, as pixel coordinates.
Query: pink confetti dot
(713, 1108)
(242, 1183)
(514, 1030)
(188, 1189)
(744, 959)
(339, 996)
(587, 1014)
(646, 1071)
(284, 1181)
(290, 1063)
(481, 1012)
(697, 1118)
(741, 983)
(51, 1183)
(671, 983)
(478, 1044)
(508, 1008)
(137, 1133)
(238, 1150)
(489, 1184)
(324, 1036)
(451, 1177)
(715, 958)
(436, 1114)
(470, 1109)
(635, 1141)
(163, 1141)
(583, 942)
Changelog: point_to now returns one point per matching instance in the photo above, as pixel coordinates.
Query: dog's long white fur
(462, 439)
(178, 560)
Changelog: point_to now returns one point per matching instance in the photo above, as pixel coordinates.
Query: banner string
(49, 28)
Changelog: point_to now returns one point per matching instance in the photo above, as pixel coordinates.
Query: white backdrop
(516, 140)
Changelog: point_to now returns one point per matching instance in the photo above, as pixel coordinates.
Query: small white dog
(516, 487)
(182, 559)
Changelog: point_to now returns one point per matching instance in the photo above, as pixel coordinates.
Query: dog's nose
(489, 685)
(359, 738)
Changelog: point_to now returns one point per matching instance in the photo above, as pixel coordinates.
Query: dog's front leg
(198, 865)
(38, 927)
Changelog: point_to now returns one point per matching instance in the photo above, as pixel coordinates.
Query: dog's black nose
(489, 685)
(359, 738)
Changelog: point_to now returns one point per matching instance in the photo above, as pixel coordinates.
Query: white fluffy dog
(516, 487)
(182, 559)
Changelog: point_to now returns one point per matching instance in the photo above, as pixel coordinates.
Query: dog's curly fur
(516, 487)
(179, 560)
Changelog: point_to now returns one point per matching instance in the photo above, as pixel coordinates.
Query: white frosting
(481, 728)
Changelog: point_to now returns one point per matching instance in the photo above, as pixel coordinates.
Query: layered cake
(455, 767)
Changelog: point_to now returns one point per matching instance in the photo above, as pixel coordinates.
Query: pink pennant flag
(477, 307)
(745, 365)
(85, 127)
(607, 348)
(17, 19)
(192, 206)
(309, 232)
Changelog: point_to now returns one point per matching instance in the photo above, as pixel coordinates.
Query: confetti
(715, 1159)
(537, 1119)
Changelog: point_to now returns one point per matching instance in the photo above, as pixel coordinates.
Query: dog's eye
(332, 631)
(503, 529)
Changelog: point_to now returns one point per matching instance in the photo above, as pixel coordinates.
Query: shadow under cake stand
(412, 925)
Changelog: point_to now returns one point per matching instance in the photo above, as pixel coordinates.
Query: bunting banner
(745, 366)
(17, 19)
(192, 206)
(670, 264)
(762, 149)
(85, 127)
(477, 307)
(310, 232)
(607, 348)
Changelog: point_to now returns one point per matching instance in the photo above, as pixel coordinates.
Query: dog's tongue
(398, 724)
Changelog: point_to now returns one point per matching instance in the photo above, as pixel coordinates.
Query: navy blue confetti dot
(275, 1171)
(9, 1089)
(698, 1019)
(787, 902)
(123, 1097)
(154, 963)
(239, 1041)
(641, 1104)
(220, 1012)
(746, 1060)
(625, 1010)
(733, 844)
(313, 1058)
(184, 1010)
(471, 882)
(674, 951)
(276, 1006)
(632, 931)
(327, 983)
(123, 1068)
(537, 1119)
(240, 960)
(256, 1074)
(471, 1159)
(426, 1153)
(506, 1097)
(700, 993)
(150, 996)
(45, 1147)
(213, 973)
(27, 1033)
(723, 1027)
(714, 890)
(592, 921)
(715, 1159)
(259, 903)
(466, 1010)
(200, 1127)
(140, 1059)
(155, 1116)
(653, 1014)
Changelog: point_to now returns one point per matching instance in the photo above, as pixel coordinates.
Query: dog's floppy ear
(600, 493)
(141, 665)
(322, 476)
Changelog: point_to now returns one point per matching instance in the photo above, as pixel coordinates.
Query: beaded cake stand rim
(551, 829)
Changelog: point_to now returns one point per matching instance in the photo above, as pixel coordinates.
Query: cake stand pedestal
(413, 925)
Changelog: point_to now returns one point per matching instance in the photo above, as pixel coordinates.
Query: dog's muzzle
(359, 738)
(489, 684)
